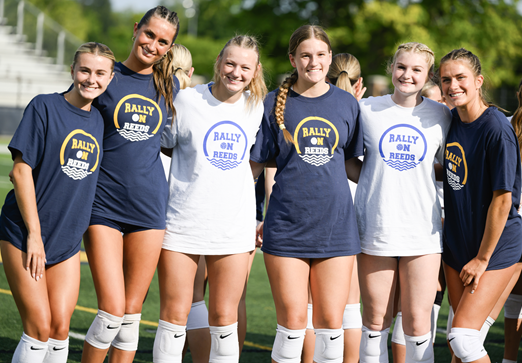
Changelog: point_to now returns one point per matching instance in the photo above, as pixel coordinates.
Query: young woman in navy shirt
(482, 228)
(123, 242)
(57, 150)
(310, 128)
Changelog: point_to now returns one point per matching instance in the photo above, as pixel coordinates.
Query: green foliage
(369, 29)
(204, 52)
(67, 13)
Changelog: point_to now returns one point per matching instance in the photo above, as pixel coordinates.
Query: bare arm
(26, 200)
(498, 213)
(353, 169)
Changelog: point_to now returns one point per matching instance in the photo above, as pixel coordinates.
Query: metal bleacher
(23, 74)
(32, 58)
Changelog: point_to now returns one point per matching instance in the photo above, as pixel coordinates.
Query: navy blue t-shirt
(63, 146)
(310, 213)
(481, 157)
(132, 187)
(260, 197)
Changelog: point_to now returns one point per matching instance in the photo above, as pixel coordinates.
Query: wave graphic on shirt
(316, 160)
(454, 184)
(75, 173)
(224, 164)
(401, 165)
(134, 135)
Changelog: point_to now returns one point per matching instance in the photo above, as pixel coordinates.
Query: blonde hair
(419, 48)
(95, 49)
(427, 88)
(344, 71)
(303, 33)
(516, 121)
(162, 73)
(181, 64)
(474, 66)
(257, 86)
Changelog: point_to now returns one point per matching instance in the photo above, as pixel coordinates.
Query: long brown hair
(516, 121)
(162, 72)
(303, 33)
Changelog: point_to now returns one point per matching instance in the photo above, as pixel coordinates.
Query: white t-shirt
(211, 208)
(398, 212)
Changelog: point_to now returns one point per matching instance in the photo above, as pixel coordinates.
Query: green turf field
(260, 309)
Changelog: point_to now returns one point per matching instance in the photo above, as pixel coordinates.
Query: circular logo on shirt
(79, 155)
(456, 166)
(137, 118)
(316, 140)
(225, 145)
(403, 147)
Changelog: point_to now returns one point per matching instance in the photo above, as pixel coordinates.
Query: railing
(31, 25)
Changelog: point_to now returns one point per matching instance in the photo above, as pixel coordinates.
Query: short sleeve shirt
(63, 146)
(310, 213)
(481, 157)
(132, 187)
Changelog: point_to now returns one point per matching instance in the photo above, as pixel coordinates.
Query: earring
(133, 38)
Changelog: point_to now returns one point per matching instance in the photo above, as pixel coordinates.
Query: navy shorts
(120, 226)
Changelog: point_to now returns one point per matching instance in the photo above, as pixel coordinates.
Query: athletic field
(260, 309)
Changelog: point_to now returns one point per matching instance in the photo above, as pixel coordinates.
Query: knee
(115, 307)
(417, 323)
(375, 322)
(133, 306)
(222, 317)
(294, 319)
(329, 320)
(38, 328)
(60, 329)
(466, 344)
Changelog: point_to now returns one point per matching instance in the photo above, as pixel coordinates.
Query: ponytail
(163, 75)
(344, 82)
(344, 71)
(281, 104)
(181, 64)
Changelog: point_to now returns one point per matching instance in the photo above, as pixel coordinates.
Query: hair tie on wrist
(282, 126)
